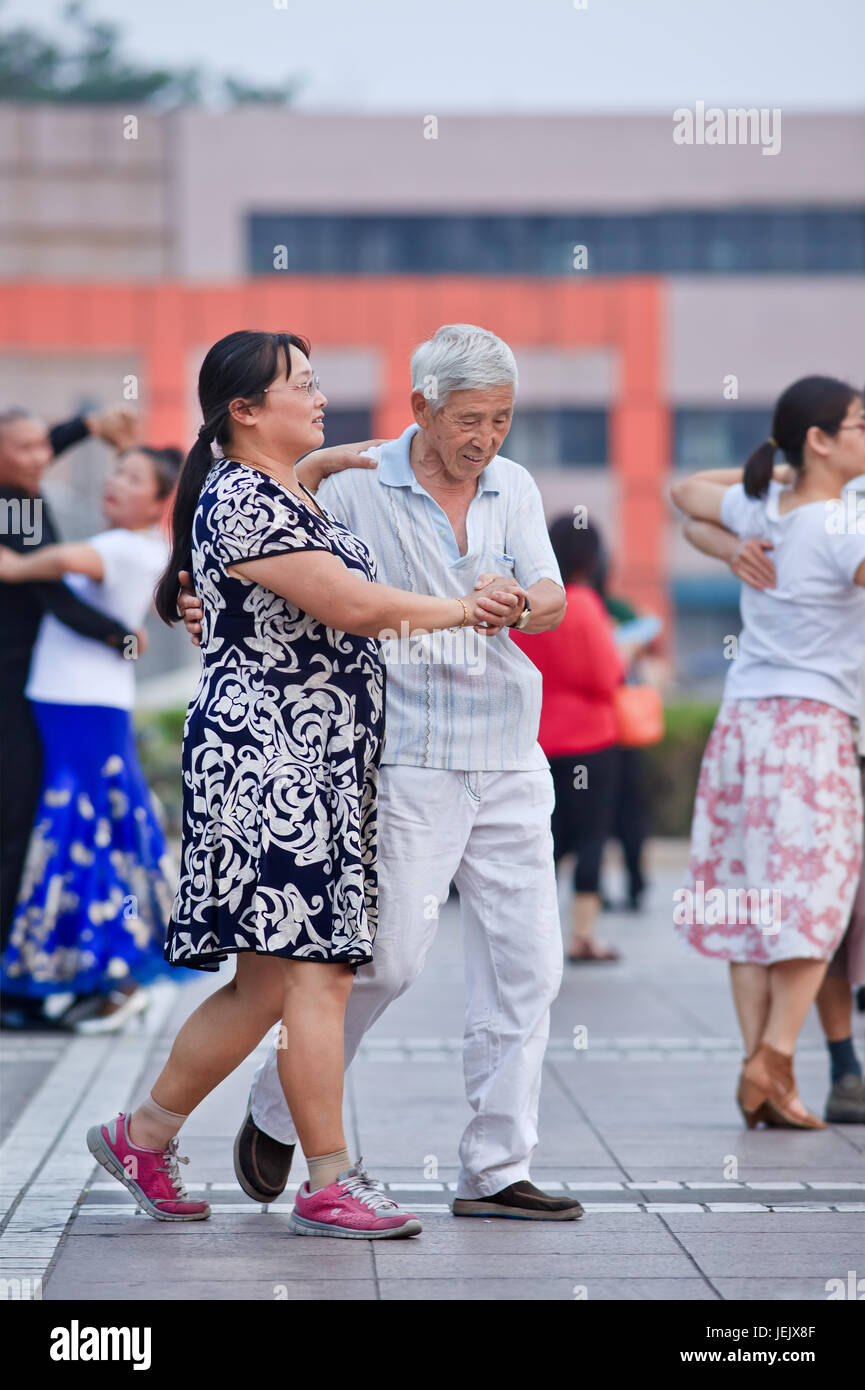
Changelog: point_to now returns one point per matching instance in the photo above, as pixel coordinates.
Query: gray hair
(14, 412)
(461, 357)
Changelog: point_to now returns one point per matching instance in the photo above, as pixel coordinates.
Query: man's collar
(395, 470)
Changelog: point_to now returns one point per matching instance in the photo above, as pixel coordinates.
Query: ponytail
(189, 485)
(813, 400)
(242, 365)
(758, 469)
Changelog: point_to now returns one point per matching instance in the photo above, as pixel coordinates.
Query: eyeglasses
(856, 425)
(311, 387)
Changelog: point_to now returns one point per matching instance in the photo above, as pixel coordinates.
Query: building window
(558, 438)
(718, 438)
(347, 426)
(795, 240)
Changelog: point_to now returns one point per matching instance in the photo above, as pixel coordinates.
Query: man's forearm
(54, 597)
(548, 604)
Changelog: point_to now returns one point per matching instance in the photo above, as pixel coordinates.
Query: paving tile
(722, 1263)
(839, 1247)
(522, 1240)
(541, 1290)
(215, 1291)
(134, 1262)
(777, 1289)
(575, 1264)
(804, 1225)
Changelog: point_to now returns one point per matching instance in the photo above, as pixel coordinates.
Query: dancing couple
(310, 848)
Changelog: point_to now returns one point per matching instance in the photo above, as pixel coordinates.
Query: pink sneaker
(150, 1174)
(354, 1207)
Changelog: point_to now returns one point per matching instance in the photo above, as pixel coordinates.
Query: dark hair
(813, 400)
(166, 465)
(243, 365)
(579, 551)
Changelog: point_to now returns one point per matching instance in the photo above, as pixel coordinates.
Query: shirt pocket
(501, 562)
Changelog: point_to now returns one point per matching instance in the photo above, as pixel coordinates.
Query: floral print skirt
(777, 834)
(98, 881)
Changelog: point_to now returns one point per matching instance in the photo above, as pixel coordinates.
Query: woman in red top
(581, 665)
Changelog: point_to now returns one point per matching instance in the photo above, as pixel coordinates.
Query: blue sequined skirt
(97, 886)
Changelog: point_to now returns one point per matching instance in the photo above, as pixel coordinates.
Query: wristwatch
(524, 617)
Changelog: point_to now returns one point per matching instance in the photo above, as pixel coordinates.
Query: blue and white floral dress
(281, 746)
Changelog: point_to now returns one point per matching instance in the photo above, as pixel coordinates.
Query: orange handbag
(639, 713)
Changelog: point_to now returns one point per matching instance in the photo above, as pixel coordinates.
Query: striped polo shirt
(454, 699)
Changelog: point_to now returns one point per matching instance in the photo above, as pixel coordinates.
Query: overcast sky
(497, 55)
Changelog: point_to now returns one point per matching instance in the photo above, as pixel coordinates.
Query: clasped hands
(498, 604)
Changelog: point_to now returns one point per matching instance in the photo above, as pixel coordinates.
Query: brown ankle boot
(754, 1088)
(782, 1089)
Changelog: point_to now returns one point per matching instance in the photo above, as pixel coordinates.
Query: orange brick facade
(162, 323)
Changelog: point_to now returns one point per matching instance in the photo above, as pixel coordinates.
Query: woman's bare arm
(746, 558)
(318, 583)
(50, 562)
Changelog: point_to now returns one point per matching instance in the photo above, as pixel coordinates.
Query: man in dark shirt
(26, 450)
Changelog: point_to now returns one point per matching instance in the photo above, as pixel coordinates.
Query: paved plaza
(637, 1118)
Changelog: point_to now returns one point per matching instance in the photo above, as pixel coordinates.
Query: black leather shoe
(262, 1164)
(522, 1201)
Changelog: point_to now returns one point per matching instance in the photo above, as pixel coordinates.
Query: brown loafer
(522, 1201)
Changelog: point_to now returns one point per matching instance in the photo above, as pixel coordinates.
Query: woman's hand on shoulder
(336, 458)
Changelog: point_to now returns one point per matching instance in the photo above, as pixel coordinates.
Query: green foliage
(671, 768)
(86, 65)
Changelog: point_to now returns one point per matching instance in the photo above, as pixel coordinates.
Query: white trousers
(489, 832)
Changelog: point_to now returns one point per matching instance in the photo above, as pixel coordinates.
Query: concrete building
(658, 295)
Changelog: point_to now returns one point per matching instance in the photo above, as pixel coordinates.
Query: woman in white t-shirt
(96, 893)
(776, 840)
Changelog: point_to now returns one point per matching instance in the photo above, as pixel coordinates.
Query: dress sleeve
(254, 518)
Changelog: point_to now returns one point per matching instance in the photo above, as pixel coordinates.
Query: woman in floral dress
(776, 841)
(280, 761)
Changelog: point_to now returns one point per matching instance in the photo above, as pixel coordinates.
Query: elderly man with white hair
(465, 792)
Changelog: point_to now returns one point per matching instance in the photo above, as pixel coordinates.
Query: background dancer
(27, 448)
(779, 800)
(97, 884)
